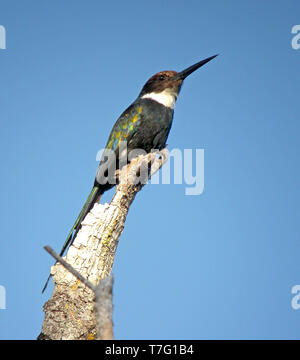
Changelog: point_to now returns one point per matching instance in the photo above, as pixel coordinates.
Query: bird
(145, 125)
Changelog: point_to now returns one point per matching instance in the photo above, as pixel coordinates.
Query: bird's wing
(121, 134)
(125, 127)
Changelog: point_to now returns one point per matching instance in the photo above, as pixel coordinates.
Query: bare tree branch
(103, 298)
(69, 314)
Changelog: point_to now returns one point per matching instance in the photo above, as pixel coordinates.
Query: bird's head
(164, 86)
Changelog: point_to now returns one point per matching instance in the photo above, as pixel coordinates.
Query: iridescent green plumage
(144, 125)
(124, 127)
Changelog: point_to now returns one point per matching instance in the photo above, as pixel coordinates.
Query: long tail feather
(92, 198)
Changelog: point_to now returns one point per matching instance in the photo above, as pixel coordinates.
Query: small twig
(103, 297)
(70, 268)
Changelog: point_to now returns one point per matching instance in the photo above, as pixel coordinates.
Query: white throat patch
(166, 98)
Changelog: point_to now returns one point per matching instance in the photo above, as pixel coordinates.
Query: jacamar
(145, 125)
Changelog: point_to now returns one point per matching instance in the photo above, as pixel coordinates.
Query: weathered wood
(104, 308)
(69, 313)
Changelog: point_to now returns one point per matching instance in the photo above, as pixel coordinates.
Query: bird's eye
(162, 77)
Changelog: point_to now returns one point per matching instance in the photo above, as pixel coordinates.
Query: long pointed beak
(185, 73)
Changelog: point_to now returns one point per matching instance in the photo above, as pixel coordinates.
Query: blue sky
(220, 265)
